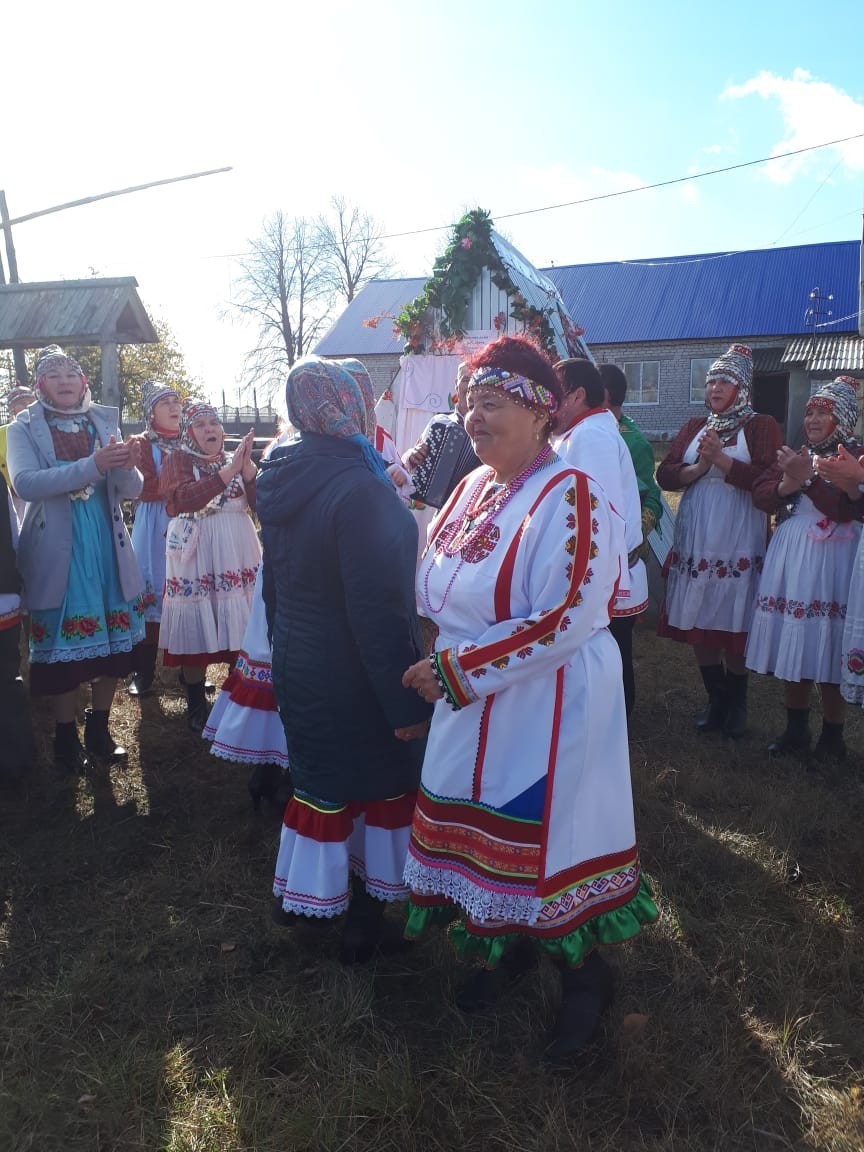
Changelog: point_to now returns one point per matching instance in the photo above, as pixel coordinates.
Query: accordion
(451, 457)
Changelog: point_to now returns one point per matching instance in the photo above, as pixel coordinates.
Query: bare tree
(285, 291)
(352, 247)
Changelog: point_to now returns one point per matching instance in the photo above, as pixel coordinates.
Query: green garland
(449, 289)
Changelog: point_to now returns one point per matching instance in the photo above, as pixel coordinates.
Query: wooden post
(17, 353)
(111, 377)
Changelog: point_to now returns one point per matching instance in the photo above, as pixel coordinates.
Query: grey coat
(45, 544)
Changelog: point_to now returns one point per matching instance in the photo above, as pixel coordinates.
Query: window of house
(698, 372)
(643, 382)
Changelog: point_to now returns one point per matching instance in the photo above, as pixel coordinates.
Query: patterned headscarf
(18, 393)
(322, 397)
(50, 358)
(192, 409)
(840, 399)
(360, 375)
(736, 367)
(151, 393)
(524, 392)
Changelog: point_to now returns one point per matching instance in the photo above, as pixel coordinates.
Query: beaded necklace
(482, 509)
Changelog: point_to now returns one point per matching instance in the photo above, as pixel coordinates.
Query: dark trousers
(16, 735)
(621, 628)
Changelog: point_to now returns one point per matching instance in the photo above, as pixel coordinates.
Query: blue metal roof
(764, 292)
(758, 293)
(379, 298)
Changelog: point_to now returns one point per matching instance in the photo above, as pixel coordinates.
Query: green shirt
(642, 455)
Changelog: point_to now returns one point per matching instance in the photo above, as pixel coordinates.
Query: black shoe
(98, 740)
(280, 917)
(365, 931)
(140, 684)
(586, 994)
(796, 735)
(209, 688)
(485, 986)
(269, 782)
(69, 755)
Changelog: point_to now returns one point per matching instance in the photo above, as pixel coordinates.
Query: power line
(641, 187)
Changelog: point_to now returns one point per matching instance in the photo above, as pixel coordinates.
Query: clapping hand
(844, 471)
(711, 449)
(796, 465)
(115, 454)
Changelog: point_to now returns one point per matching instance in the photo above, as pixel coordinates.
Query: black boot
(271, 783)
(365, 931)
(196, 707)
(68, 753)
(830, 745)
(142, 681)
(711, 718)
(796, 737)
(735, 724)
(586, 992)
(97, 739)
(486, 986)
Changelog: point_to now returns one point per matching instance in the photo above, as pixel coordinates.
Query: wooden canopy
(81, 312)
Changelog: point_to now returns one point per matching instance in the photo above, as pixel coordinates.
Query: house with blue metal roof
(664, 321)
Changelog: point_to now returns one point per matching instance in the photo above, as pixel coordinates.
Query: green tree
(137, 362)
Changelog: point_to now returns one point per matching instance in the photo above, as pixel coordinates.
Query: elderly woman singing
(524, 818)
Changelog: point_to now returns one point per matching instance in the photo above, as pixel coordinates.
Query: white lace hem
(480, 903)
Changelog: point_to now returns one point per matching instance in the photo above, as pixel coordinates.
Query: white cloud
(813, 111)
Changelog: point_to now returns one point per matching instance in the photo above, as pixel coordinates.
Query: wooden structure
(103, 312)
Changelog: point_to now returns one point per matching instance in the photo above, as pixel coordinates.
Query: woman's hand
(416, 456)
(844, 471)
(413, 732)
(711, 451)
(113, 455)
(421, 678)
(796, 465)
(249, 468)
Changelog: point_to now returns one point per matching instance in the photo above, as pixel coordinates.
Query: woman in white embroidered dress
(524, 819)
(212, 553)
(797, 630)
(712, 571)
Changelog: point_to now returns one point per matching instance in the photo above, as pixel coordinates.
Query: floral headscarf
(359, 373)
(48, 360)
(323, 398)
(192, 409)
(736, 367)
(840, 399)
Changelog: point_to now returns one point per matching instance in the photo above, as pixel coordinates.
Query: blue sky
(415, 112)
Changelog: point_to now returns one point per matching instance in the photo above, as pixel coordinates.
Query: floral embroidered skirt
(95, 629)
(797, 629)
(148, 540)
(210, 569)
(323, 843)
(245, 724)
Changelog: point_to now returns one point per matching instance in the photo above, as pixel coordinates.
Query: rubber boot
(68, 752)
(796, 737)
(142, 681)
(97, 739)
(830, 745)
(711, 718)
(365, 931)
(735, 723)
(486, 986)
(196, 707)
(269, 782)
(586, 993)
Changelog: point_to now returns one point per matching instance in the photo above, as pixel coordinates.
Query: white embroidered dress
(524, 815)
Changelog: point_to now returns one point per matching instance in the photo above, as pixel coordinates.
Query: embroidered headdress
(323, 398)
(524, 392)
(840, 399)
(49, 359)
(736, 367)
(19, 393)
(151, 393)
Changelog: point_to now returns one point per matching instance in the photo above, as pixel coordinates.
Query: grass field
(148, 1004)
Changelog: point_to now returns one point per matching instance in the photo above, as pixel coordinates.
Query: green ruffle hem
(573, 949)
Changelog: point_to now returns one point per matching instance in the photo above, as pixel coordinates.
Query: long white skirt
(211, 565)
(797, 629)
(245, 724)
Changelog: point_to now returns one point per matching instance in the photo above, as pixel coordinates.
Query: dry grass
(147, 1004)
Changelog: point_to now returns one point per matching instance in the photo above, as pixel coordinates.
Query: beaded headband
(520, 389)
